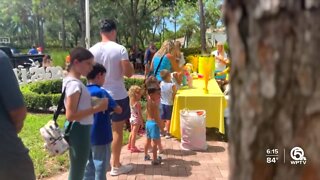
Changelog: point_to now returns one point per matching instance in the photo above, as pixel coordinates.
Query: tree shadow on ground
(170, 167)
(178, 152)
(216, 149)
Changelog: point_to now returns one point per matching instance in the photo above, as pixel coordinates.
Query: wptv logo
(297, 154)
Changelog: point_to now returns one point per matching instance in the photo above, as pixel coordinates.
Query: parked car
(24, 60)
(15, 51)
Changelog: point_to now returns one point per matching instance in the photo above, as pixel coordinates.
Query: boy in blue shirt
(101, 131)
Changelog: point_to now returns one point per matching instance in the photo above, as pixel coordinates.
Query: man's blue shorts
(153, 130)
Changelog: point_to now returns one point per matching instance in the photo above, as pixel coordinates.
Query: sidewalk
(177, 164)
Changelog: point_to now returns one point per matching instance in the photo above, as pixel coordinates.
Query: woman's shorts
(125, 115)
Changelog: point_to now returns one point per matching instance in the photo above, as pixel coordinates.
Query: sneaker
(123, 169)
(168, 136)
(147, 157)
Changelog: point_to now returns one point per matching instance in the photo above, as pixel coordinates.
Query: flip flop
(135, 150)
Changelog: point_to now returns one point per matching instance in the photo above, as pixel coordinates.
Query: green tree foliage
(61, 23)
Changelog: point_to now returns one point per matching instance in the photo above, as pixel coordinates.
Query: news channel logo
(297, 155)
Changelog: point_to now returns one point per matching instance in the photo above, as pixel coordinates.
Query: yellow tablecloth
(194, 99)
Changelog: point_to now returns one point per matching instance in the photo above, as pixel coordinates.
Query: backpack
(56, 140)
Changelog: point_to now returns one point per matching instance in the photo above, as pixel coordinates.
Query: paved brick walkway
(212, 164)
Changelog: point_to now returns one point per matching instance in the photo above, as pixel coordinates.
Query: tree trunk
(163, 26)
(37, 35)
(40, 39)
(75, 36)
(141, 41)
(154, 31)
(275, 88)
(134, 21)
(133, 33)
(41, 33)
(82, 23)
(202, 28)
(63, 29)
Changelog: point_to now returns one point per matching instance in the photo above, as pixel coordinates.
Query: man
(116, 61)
(151, 50)
(33, 51)
(15, 162)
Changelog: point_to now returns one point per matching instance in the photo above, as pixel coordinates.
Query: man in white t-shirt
(115, 59)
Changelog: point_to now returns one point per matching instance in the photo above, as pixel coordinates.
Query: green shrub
(40, 96)
(191, 51)
(39, 101)
(46, 87)
(128, 82)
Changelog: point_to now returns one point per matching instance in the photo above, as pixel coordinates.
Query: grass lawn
(58, 56)
(45, 165)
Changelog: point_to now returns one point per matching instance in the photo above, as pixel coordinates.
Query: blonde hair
(166, 47)
(164, 74)
(222, 45)
(177, 48)
(133, 90)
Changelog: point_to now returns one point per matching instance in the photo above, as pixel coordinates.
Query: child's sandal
(135, 150)
(147, 157)
(156, 162)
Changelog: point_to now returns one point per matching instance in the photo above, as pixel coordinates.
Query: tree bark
(41, 33)
(202, 28)
(275, 87)
(134, 22)
(82, 23)
(63, 29)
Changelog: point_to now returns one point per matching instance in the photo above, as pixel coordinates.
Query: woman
(166, 52)
(178, 54)
(221, 61)
(79, 111)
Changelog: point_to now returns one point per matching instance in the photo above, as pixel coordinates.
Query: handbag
(56, 140)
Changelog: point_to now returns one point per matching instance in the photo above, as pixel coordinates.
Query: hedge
(40, 96)
(190, 51)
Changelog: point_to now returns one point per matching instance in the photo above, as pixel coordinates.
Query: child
(136, 120)
(168, 91)
(79, 110)
(176, 79)
(153, 124)
(101, 131)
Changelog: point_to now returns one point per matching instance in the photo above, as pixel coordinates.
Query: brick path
(212, 164)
